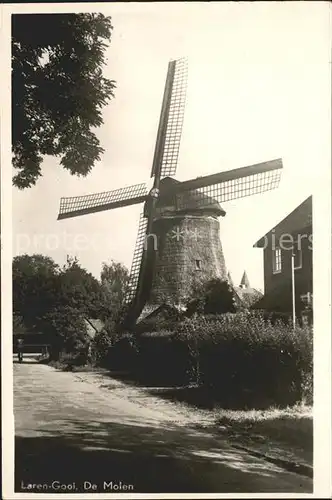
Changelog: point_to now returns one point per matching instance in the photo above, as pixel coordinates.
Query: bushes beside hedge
(241, 359)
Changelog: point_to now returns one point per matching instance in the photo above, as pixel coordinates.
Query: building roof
(230, 279)
(147, 311)
(162, 311)
(248, 296)
(298, 219)
(187, 200)
(245, 281)
(93, 326)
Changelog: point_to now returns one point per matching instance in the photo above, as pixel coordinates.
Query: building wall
(275, 283)
(183, 242)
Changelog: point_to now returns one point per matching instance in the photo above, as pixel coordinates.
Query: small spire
(229, 279)
(245, 282)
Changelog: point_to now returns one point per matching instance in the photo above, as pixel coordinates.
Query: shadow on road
(151, 458)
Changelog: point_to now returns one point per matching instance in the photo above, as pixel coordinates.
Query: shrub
(121, 354)
(246, 360)
(112, 347)
(212, 297)
(163, 359)
(239, 359)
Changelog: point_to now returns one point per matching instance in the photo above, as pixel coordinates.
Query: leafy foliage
(239, 360)
(82, 291)
(115, 284)
(213, 297)
(55, 300)
(19, 327)
(34, 282)
(245, 359)
(115, 281)
(58, 91)
(100, 346)
(66, 330)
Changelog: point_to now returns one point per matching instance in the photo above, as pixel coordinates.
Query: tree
(77, 295)
(34, 284)
(213, 297)
(56, 300)
(66, 330)
(58, 91)
(35, 264)
(19, 327)
(80, 290)
(115, 281)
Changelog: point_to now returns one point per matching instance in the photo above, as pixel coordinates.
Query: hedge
(241, 359)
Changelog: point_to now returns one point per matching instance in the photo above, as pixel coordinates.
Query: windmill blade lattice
(169, 196)
(175, 119)
(238, 188)
(86, 204)
(171, 119)
(232, 185)
(137, 258)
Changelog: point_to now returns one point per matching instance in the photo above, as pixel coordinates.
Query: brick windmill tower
(178, 243)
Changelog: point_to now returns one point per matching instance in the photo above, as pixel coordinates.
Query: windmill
(178, 241)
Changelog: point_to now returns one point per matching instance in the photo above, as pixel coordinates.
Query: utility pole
(293, 290)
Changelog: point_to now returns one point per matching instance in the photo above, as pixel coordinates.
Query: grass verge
(286, 432)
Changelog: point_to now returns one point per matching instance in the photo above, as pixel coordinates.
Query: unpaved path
(72, 434)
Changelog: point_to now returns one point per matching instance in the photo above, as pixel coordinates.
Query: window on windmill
(198, 265)
(277, 260)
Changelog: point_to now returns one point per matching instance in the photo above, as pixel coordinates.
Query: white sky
(259, 84)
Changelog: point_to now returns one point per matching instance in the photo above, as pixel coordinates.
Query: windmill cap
(191, 200)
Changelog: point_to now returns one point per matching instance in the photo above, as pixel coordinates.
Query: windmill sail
(98, 202)
(166, 198)
(171, 119)
(137, 258)
(229, 185)
(164, 163)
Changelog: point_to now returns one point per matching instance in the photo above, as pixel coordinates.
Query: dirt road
(75, 436)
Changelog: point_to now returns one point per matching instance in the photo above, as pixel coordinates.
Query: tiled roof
(248, 296)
